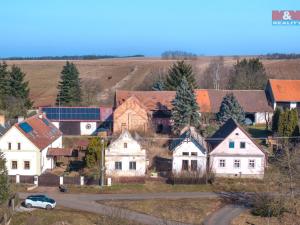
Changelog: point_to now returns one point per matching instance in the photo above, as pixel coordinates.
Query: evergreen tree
(18, 88)
(4, 74)
(93, 154)
(248, 74)
(288, 123)
(230, 108)
(69, 88)
(158, 85)
(275, 119)
(4, 182)
(176, 73)
(185, 111)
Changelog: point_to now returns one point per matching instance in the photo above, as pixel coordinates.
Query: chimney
(20, 119)
(41, 116)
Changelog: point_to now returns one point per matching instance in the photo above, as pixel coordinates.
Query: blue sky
(119, 27)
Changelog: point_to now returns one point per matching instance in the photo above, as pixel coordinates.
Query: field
(191, 211)
(100, 78)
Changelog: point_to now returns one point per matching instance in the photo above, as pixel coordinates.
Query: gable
(14, 136)
(237, 136)
(189, 146)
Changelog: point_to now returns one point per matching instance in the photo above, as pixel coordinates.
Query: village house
(284, 93)
(189, 152)
(79, 120)
(234, 154)
(26, 146)
(158, 105)
(125, 157)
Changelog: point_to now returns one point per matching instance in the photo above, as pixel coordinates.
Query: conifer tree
(176, 73)
(4, 73)
(275, 119)
(17, 87)
(288, 123)
(230, 108)
(4, 183)
(69, 88)
(185, 111)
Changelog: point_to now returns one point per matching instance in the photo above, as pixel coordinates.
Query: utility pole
(102, 162)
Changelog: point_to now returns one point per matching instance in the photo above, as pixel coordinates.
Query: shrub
(268, 206)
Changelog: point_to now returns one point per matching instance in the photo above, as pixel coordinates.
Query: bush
(268, 206)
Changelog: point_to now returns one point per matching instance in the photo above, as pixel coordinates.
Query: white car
(40, 201)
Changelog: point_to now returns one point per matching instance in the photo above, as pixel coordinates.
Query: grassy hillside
(101, 78)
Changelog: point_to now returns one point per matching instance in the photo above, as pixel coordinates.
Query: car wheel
(28, 205)
(48, 207)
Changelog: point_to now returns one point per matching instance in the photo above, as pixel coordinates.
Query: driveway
(87, 202)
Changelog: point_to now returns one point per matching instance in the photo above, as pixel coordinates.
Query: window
(194, 166)
(125, 145)
(236, 163)
(231, 144)
(9, 146)
(19, 146)
(132, 165)
(118, 165)
(251, 163)
(26, 165)
(222, 163)
(14, 165)
(185, 153)
(194, 153)
(242, 144)
(185, 165)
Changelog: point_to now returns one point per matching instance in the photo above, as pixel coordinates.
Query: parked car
(40, 201)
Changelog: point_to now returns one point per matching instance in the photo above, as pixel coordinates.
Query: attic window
(231, 144)
(194, 153)
(125, 145)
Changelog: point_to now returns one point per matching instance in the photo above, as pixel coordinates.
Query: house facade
(284, 93)
(79, 120)
(125, 157)
(234, 154)
(130, 115)
(25, 146)
(189, 152)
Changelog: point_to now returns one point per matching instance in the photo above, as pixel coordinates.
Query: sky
(149, 27)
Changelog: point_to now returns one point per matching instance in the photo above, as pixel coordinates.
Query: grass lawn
(191, 211)
(63, 216)
(247, 218)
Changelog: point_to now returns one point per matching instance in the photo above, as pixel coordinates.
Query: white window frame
(220, 163)
(241, 144)
(118, 163)
(24, 165)
(249, 164)
(11, 165)
(234, 163)
(132, 163)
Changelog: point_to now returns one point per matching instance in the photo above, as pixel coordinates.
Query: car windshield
(49, 200)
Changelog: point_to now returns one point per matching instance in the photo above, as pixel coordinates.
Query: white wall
(56, 124)
(116, 152)
(251, 151)
(85, 131)
(47, 162)
(260, 117)
(28, 152)
(188, 147)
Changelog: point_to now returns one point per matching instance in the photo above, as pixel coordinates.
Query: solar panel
(46, 121)
(72, 113)
(25, 127)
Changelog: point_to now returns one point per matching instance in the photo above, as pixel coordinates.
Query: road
(87, 202)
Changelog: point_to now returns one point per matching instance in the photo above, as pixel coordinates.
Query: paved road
(87, 202)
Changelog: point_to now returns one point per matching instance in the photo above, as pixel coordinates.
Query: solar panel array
(26, 127)
(72, 113)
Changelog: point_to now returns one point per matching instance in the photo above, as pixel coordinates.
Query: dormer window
(125, 145)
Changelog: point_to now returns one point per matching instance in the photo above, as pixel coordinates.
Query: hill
(100, 78)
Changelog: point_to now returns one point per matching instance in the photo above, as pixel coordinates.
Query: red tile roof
(209, 100)
(285, 90)
(43, 131)
(59, 152)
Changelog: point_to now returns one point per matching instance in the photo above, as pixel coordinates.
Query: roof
(224, 131)
(285, 90)
(59, 152)
(190, 134)
(250, 100)
(152, 100)
(77, 113)
(39, 130)
(209, 100)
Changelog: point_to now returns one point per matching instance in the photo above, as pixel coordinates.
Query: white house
(189, 152)
(25, 146)
(125, 157)
(234, 154)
